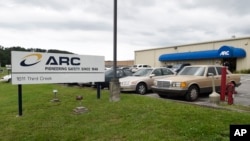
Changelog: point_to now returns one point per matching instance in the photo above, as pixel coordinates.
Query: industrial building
(233, 51)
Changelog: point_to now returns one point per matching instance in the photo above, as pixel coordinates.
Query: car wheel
(141, 88)
(193, 93)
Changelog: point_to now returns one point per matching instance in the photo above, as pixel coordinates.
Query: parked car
(125, 68)
(6, 78)
(177, 67)
(109, 74)
(139, 66)
(192, 81)
(143, 79)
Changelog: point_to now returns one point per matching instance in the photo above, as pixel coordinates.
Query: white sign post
(40, 68)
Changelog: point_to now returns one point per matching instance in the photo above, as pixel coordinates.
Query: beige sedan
(192, 81)
(143, 79)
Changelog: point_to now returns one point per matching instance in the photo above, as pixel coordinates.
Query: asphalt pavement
(243, 92)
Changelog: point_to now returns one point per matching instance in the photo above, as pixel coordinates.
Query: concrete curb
(212, 105)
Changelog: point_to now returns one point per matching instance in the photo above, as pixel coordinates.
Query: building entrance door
(230, 63)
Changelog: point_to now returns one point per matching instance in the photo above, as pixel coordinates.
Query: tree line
(5, 53)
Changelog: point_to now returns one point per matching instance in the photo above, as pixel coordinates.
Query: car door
(216, 78)
(205, 81)
(159, 73)
(228, 74)
(156, 74)
(219, 70)
(162, 73)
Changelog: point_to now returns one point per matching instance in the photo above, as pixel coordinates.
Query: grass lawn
(133, 118)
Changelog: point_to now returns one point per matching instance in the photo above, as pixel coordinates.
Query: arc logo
(31, 59)
(224, 53)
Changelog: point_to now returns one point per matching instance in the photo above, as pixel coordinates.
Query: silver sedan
(143, 79)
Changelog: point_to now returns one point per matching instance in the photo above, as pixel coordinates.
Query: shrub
(245, 71)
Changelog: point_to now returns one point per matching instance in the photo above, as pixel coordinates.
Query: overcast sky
(85, 27)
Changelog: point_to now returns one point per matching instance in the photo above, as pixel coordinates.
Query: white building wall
(147, 57)
(151, 56)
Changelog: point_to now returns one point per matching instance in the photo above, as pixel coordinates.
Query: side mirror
(151, 75)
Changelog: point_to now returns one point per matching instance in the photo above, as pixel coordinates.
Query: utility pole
(114, 83)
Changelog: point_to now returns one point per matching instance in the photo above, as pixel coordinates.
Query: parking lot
(241, 98)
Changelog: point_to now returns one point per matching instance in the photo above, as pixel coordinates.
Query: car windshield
(196, 71)
(143, 72)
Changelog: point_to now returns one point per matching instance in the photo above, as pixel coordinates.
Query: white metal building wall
(151, 56)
